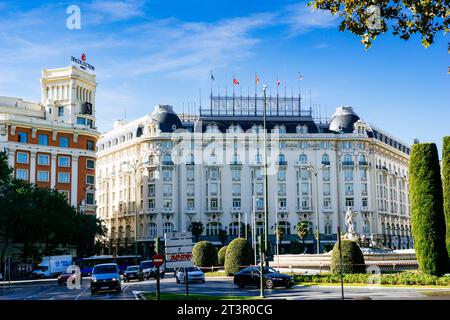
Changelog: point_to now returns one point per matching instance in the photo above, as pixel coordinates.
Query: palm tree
(303, 231)
(280, 233)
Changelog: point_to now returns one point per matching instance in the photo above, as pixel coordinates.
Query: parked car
(133, 273)
(271, 278)
(149, 269)
(105, 277)
(63, 278)
(195, 274)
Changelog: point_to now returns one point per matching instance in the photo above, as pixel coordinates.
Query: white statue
(349, 221)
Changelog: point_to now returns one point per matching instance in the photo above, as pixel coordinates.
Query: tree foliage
(238, 254)
(302, 231)
(446, 187)
(370, 19)
(221, 255)
(196, 227)
(352, 258)
(427, 212)
(222, 236)
(204, 254)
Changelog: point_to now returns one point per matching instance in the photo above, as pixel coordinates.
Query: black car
(133, 273)
(271, 278)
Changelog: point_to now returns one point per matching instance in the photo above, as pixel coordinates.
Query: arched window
(286, 226)
(233, 228)
(151, 160)
(167, 158)
(303, 158)
(281, 158)
(212, 228)
(113, 233)
(151, 230)
(168, 227)
(128, 232)
(120, 233)
(348, 159)
(282, 129)
(326, 159)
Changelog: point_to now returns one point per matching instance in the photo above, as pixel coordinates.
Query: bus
(86, 264)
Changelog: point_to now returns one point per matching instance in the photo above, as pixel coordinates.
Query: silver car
(195, 274)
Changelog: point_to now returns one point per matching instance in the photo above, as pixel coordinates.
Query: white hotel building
(168, 173)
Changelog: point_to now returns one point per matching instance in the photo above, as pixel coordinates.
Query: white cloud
(108, 11)
(302, 19)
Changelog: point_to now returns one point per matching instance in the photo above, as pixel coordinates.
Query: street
(49, 290)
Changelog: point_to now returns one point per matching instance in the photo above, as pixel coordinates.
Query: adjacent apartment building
(52, 143)
(159, 173)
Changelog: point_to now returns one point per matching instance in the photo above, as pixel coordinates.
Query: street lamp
(135, 167)
(266, 193)
(315, 173)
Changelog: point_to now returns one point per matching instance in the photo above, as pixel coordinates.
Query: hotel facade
(52, 143)
(160, 173)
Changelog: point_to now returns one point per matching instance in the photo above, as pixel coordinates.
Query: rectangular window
(42, 176)
(63, 161)
(23, 137)
(282, 203)
(236, 203)
(260, 203)
(90, 145)
(326, 189)
(236, 174)
(305, 203)
(259, 188)
(167, 175)
(326, 174)
(236, 188)
(282, 188)
(151, 203)
(151, 190)
(305, 188)
(190, 174)
(22, 174)
(63, 177)
(90, 179)
(213, 204)
(60, 111)
(43, 159)
(281, 175)
(22, 157)
(167, 203)
(213, 188)
(65, 193)
(81, 120)
(304, 174)
(363, 174)
(43, 140)
(349, 202)
(64, 142)
(213, 174)
(348, 174)
(349, 189)
(167, 189)
(365, 203)
(90, 164)
(327, 203)
(90, 199)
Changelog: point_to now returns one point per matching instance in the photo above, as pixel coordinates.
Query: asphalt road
(49, 290)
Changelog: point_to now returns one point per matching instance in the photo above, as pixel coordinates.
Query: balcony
(281, 163)
(151, 194)
(151, 211)
(236, 163)
(214, 211)
(327, 210)
(348, 163)
(190, 211)
(168, 211)
(363, 163)
(235, 210)
(304, 209)
(282, 209)
(326, 163)
(167, 163)
(364, 208)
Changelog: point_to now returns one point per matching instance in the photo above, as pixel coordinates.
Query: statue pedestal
(352, 237)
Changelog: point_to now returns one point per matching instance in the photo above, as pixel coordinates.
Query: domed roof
(343, 120)
(168, 120)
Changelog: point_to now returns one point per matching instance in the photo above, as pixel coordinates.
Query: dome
(343, 120)
(168, 120)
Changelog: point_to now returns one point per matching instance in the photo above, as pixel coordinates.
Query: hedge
(204, 254)
(238, 253)
(427, 211)
(446, 187)
(403, 278)
(352, 258)
(221, 255)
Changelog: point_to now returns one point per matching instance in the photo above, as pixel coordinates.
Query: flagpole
(276, 232)
(256, 92)
(210, 97)
(278, 103)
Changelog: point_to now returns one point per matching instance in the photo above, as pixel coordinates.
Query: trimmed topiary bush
(239, 253)
(446, 187)
(221, 255)
(204, 254)
(427, 211)
(352, 258)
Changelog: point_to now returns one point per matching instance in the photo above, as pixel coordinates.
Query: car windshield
(147, 264)
(104, 269)
(270, 270)
(191, 269)
(133, 268)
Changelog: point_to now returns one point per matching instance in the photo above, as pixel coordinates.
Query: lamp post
(315, 173)
(266, 192)
(135, 167)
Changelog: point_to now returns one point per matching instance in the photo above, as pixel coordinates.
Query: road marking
(78, 296)
(136, 294)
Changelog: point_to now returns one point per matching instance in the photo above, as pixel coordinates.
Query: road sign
(178, 248)
(158, 260)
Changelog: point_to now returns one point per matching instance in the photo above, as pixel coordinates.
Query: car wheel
(240, 284)
(290, 285)
(269, 284)
(119, 290)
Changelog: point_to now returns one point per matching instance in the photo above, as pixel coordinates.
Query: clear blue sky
(152, 52)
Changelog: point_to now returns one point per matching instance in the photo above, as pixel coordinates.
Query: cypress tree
(446, 187)
(427, 211)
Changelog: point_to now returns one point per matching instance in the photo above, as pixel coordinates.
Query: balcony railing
(348, 163)
(304, 209)
(363, 163)
(326, 163)
(167, 163)
(282, 163)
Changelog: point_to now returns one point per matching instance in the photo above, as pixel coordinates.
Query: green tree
(370, 19)
(446, 187)
(222, 236)
(427, 212)
(5, 171)
(352, 258)
(280, 232)
(238, 254)
(204, 254)
(302, 231)
(221, 256)
(196, 227)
